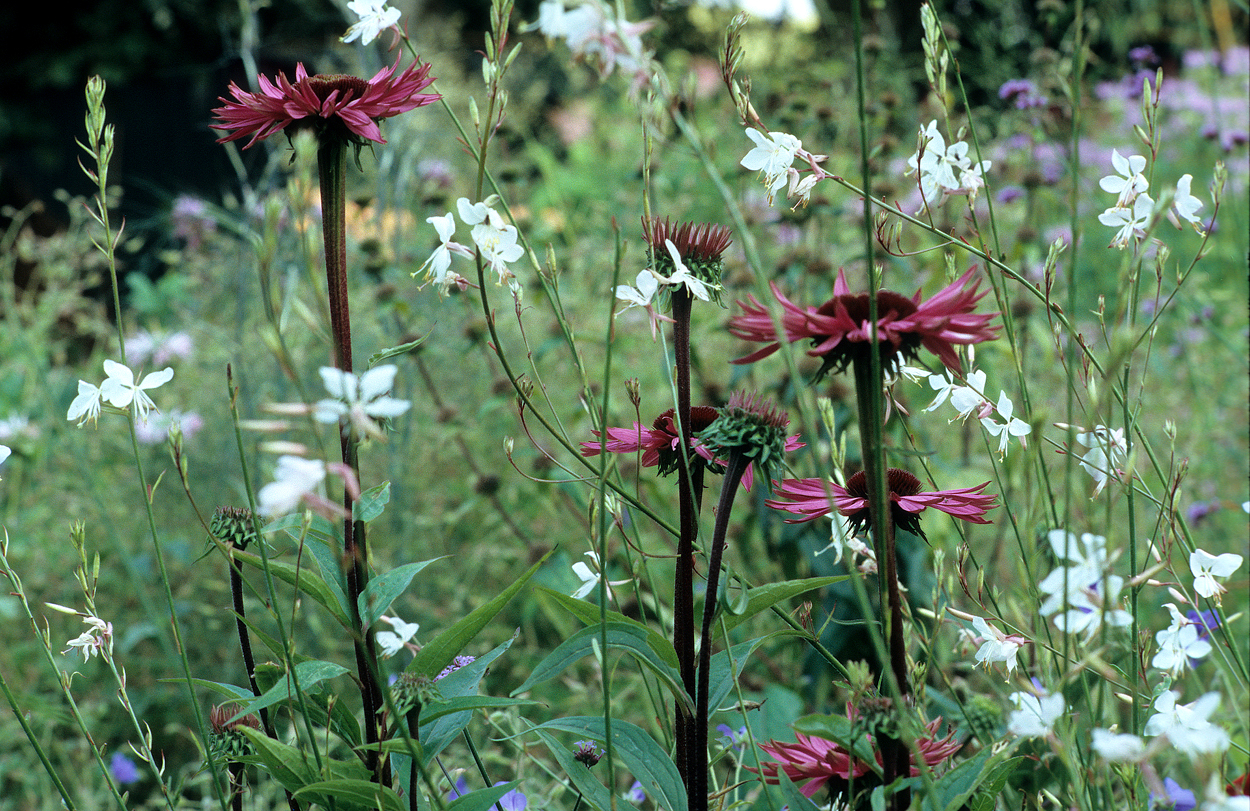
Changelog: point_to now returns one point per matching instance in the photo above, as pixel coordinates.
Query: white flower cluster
(375, 17)
(1134, 207)
(969, 397)
(773, 157)
(119, 390)
(1082, 594)
(495, 239)
(945, 170)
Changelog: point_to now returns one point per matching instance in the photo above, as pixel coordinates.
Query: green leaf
(351, 794)
(791, 795)
(721, 676)
(762, 598)
(588, 614)
(639, 753)
(439, 652)
(623, 637)
(440, 732)
(286, 764)
(325, 552)
(592, 791)
(307, 580)
(383, 589)
(482, 799)
(471, 703)
(232, 691)
(307, 674)
(995, 779)
(394, 351)
(371, 502)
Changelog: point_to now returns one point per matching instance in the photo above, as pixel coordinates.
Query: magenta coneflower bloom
(839, 329)
(808, 498)
(349, 104)
(659, 443)
(818, 761)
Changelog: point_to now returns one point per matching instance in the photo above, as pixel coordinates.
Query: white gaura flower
(86, 406)
(1115, 747)
(1088, 608)
(360, 400)
(965, 398)
(439, 263)
(498, 243)
(1187, 726)
(1087, 562)
(5, 450)
(294, 479)
(1205, 567)
(392, 642)
(682, 275)
(998, 647)
(1184, 205)
(590, 577)
(944, 169)
(1132, 222)
(121, 391)
(1009, 427)
(1107, 455)
(1178, 643)
(1035, 715)
(1129, 180)
(771, 157)
(97, 639)
(375, 17)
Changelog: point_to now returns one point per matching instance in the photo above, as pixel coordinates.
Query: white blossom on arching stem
(1205, 567)
(1107, 455)
(294, 479)
(1115, 747)
(1009, 427)
(439, 263)
(998, 646)
(1185, 206)
(682, 275)
(1128, 182)
(590, 577)
(121, 390)
(772, 157)
(97, 639)
(86, 406)
(1178, 644)
(375, 17)
(1132, 222)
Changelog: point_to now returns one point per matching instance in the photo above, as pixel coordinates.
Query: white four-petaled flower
(1185, 204)
(375, 17)
(1188, 726)
(682, 275)
(1108, 452)
(1009, 427)
(1132, 222)
(1205, 567)
(1115, 747)
(1035, 715)
(772, 156)
(119, 390)
(439, 263)
(998, 647)
(86, 406)
(392, 642)
(97, 639)
(294, 479)
(360, 400)
(1178, 643)
(1129, 180)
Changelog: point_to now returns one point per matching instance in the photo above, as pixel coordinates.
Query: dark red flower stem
(688, 523)
(332, 168)
(894, 755)
(735, 467)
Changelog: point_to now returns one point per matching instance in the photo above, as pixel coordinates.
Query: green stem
(688, 521)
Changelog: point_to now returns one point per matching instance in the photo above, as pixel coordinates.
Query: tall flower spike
(346, 106)
(807, 498)
(840, 331)
(698, 246)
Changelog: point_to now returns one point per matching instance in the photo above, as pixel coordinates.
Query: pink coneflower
(332, 101)
(659, 443)
(818, 761)
(839, 329)
(808, 498)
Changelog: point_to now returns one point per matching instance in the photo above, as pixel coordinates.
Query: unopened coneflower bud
(233, 526)
(412, 692)
(225, 740)
(753, 427)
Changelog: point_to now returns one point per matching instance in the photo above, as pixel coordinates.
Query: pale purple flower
(1177, 798)
(514, 800)
(123, 769)
(155, 429)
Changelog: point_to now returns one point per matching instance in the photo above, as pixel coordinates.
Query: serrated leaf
(308, 581)
(371, 502)
(439, 652)
(762, 598)
(383, 589)
(639, 753)
(621, 637)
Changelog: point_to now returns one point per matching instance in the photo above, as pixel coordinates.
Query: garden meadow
(655, 409)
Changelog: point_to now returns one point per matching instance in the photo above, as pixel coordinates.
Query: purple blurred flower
(154, 429)
(191, 220)
(1177, 799)
(587, 753)
(1144, 56)
(458, 789)
(124, 770)
(731, 738)
(1199, 510)
(456, 664)
(512, 801)
(1023, 92)
(1206, 620)
(635, 794)
(1009, 194)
